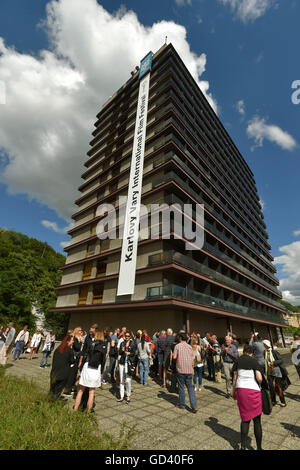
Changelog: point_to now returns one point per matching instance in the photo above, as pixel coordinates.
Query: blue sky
(251, 59)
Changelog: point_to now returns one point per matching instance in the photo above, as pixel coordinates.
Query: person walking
(184, 356)
(90, 376)
(144, 354)
(229, 354)
(126, 366)
(35, 341)
(47, 349)
(276, 373)
(20, 342)
(63, 360)
(246, 390)
(198, 363)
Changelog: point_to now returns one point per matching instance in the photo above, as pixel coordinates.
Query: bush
(29, 421)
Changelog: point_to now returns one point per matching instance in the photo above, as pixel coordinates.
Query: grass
(29, 421)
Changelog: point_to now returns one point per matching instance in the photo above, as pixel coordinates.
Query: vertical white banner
(132, 215)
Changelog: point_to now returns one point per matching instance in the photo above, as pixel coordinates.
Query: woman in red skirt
(246, 390)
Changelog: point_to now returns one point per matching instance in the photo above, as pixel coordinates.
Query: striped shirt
(184, 354)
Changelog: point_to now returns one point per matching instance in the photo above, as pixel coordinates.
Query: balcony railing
(178, 292)
(173, 256)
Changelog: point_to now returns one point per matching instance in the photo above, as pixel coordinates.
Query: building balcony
(189, 295)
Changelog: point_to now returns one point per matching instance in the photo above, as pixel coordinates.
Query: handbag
(266, 401)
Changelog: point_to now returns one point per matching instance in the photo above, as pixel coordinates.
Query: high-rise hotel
(187, 158)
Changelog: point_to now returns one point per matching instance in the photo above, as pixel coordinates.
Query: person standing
(36, 339)
(20, 342)
(63, 360)
(277, 375)
(143, 350)
(47, 349)
(229, 354)
(184, 356)
(214, 359)
(160, 349)
(295, 351)
(246, 390)
(2, 337)
(126, 366)
(113, 356)
(170, 338)
(90, 376)
(258, 349)
(198, 363)
(10, 335)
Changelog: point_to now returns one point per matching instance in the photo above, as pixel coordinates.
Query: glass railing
(178, 292)
(173, 256)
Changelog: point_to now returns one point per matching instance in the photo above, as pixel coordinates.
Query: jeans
(198, 371)
(44, 361)
(186, 379)
(18, 349)
(110, 369)
(227, 371)
(144, 370)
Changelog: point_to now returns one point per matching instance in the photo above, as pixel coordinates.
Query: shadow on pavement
(295, 430)
(215, 390)
(167, 397)
(228, 434)
(292, 396)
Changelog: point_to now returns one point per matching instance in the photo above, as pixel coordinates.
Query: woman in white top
(35, 341)
(246, 390)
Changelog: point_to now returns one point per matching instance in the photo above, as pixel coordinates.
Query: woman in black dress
(76, 347)
(63, 359)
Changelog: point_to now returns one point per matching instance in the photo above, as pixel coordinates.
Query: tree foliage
(29, 271)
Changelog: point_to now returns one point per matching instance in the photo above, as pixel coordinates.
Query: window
(90, 249)
(101, 268)
(83, 295)
(104, 245)
(98, 294)
(113, 187)
(87, 270)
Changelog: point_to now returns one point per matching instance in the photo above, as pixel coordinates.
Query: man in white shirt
(20, 342)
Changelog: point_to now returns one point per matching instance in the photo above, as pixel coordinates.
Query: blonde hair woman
(91, 373)
(198, 364)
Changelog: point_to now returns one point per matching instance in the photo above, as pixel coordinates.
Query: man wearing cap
(9, 340)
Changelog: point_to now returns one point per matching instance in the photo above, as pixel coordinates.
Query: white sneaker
(199, 389)
(195, 388)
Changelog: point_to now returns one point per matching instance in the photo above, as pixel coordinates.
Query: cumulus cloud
(53, 226)
(248, 10)
(296, 233)
(52, 98)
(259, 130)
(290, 262)
(240, 107)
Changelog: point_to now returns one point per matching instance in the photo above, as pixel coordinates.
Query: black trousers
(275, 388)
(56, 387)
(211, 368)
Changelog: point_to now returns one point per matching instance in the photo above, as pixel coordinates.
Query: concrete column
(270, 336)
(282, 336)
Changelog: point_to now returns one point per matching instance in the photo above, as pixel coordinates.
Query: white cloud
(296, 233)
(181, 3)
(240, 107)
(53, 97)
(64, 244)
(53, 226)
(290, 262)
(259, 130)
(248, 10)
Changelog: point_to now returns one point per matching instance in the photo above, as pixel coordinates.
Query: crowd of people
(84, 362)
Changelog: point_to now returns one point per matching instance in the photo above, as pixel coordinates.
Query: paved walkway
(162, 426)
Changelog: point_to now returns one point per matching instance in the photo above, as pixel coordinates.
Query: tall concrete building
(189, 157)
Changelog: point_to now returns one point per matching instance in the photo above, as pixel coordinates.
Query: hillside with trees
(29, 271)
